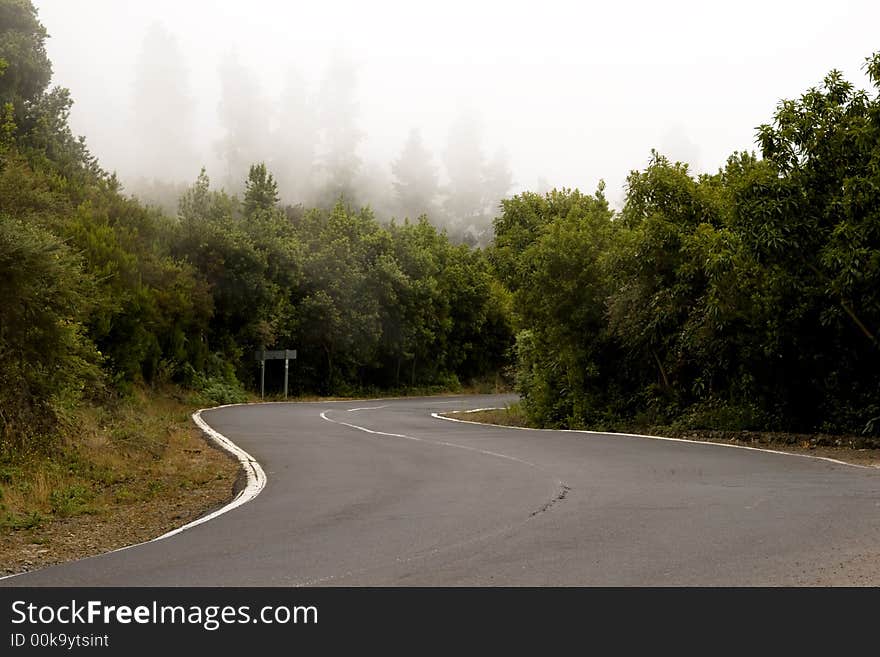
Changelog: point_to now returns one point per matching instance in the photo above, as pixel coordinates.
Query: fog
(441, 108)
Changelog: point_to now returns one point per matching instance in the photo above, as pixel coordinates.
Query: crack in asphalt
(440, 550)
(563, 492)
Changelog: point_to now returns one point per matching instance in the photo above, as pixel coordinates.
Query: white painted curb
(256, 476)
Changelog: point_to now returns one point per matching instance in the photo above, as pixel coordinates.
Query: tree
(826, 147)
(27, 70)
(245, 117)
(162, 109)
(677, 307)
(33, 118)
(339, 313)
(295, 141)
(476, 186)
(260, 192)
(743, 299)
(228, 256)
(46, 360)
(415, 174)
(550, 254)
(812, 213)
(497, 181)
(465, 161)
(200, 205)
(417, 322)
(340, 135)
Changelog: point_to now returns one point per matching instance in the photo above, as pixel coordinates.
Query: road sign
(263, 355)
(275, 354)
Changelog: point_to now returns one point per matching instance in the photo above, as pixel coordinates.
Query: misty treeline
(311, 141)
(746, 299)
(100, 293)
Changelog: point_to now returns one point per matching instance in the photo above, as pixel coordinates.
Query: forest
(745, 299)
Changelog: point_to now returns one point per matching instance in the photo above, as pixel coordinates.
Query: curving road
(382, 493)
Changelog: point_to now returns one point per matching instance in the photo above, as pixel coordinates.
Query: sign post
(278, 354)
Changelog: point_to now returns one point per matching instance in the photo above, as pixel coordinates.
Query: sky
(574, 92)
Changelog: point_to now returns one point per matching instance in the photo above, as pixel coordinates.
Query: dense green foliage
(745, 299)
(100, 293)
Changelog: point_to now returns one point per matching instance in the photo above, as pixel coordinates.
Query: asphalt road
(445, 503)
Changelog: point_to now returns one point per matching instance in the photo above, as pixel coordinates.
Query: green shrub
(71, 501)
(21, 521)
(723, 416)
(222, 392)
(221, 387)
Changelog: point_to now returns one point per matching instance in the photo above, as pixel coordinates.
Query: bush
(46, 361)
(723, 416)
(71, 501)
(217, 389)
(21, 521)
(222, 392)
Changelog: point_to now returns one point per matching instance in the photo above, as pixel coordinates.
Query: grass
(121, 454)
(510, 416)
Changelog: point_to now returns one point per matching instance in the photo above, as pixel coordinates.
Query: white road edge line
(256, 481)
(438, 416)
